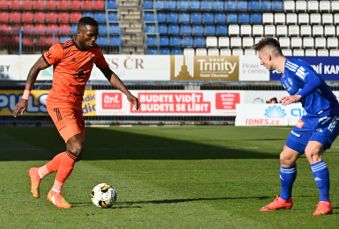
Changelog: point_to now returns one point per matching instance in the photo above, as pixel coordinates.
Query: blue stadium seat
(173, 29)
(184, 18)
(194, 5)
(100, 17)
(254, 6)
(266, 5)
(164, 51)
(115, 41)
(187, 42)
(170, 5)
(159, 4)
(221, 30)
(65, 38)
(199, 42)
(102, 29)
(219, 18)
(148, 4)
(164, 41)
(152, 51)
(176, 51)
(232, 18)
(175, 41)
(206, 5)
(172, 17)
(162, 29)
(74, 29)
(196, 18)
(182, 5)
(151, 41)
(208, 18)
(161, 17)
(242, 5)
(102, 41)
(218, 5)
(88, 14)
(244, 18)
(231, 5)
(150, 28)
(149, 16)
(111, 4)
(185, 30)
(209, 30)
(114, 28)
(277, 6)
(113, 16)
(256, 18)
(197, 30)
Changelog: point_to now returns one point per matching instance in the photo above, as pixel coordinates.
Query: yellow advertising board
(37, 102)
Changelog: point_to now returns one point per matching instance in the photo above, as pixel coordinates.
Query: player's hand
(20, 107)
(286, 100)
(134, 100)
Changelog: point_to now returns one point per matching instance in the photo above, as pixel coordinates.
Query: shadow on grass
(36, 143)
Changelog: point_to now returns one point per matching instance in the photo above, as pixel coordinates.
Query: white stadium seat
(296, 43)
(332, 42)
(287, 52)
(284, 42)
(303, 18)
(281, 31)
(310, 52)
(258, 30)
(224, 42)
(335, 6)
(312, 6)
(320, 43)
(293, 30)
(325, 6)
(334, 52)
(315, 18)
(298, 52)
(300, 6)
(327, 19)
(322, 52)
(279, 18)
(247, 42)
(289, 6)
(291, 18)
(269, 30)
(267, 18)
(189, 52)
(246, 30)
(235, 42)
(317, 30)
(213, 52)
(237, 52)
(225, 52)
(211, 41)
(337, 30)
(201, 52)
(308, 42)
(233, 30)
(305, 30)
(336, 19)
(257, 39)
(249, 52)
(329, 31)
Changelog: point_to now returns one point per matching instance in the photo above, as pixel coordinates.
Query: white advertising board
(268, 114)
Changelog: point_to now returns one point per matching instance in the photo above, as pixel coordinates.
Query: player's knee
(75, 149)
(286, 161)
(312, 156)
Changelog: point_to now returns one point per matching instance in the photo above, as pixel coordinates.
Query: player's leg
(288, 173)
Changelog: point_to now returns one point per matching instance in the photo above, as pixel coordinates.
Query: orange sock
(65, 169)
(51, 166)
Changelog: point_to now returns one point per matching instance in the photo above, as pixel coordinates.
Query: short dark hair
(87, 21)
(274, 43)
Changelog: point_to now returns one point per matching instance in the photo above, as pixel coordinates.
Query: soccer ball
(103, 195)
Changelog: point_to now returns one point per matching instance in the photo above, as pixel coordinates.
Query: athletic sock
(51, 166)
(287, 178)
(322, 179)
(65, 169)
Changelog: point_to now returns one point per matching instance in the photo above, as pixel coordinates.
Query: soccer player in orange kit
(73, 62)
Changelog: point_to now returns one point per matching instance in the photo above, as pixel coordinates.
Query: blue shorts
(323, 129)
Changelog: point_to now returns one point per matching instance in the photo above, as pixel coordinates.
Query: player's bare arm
(118, 84)
(21, 106)
(286, 100)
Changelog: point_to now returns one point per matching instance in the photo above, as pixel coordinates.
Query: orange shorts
(69, 121)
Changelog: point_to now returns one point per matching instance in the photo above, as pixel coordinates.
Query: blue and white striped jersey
(317, 97)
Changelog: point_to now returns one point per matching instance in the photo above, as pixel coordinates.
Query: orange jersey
(72, 68)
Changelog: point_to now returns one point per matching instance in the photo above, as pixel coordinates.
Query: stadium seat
(312, 6)
(334, 52)
(161, 17)
(113, 16)
(223, 42)
(87, 5)
(196, 18)
(114, 29)
(152, 41)
(207, 18)
(209, 30)
(148, 4)
(4, 17)
(287, 52)
(317, 30)
(14, 4)
(250, 52)
(64, 5)
(176, 51)
(159, 4)
(39, 17)
(247, 42)
(327, 19)
(320, 43)
(221, 30)
(279, 18)
(305, 30)
(219, 18)
(51, 5)
(256, 18)
(308, 42)
(233, 30)
(211, 41)
(51, 17)
(74, 5)
(170, 5)
(199, 42)
(268, 18)
(172, 17)
(293, 30)
(291, 18)
(26, 5)
(218, 5)
(164, 51)
(244, 18)
(115, 41)
(281, 31)
(225, 52)
(213, 52)
(329, 31)
(246, 30)
(162, 29)
(277, 6)
(284, 42)
(303, 18)
(102, 41)
(296, 43)
(27, 17)
(231, 5)
(258, 30)
(335, 6)
(332, 42)
(232, 18)
(197, 30)
(324, 6)
(194, 5)
(185, 30)
(269, 30)
(310, 52)
(201, 52)
(187, 42)
(300, 6)
(315, 18)
(164, 41)
(242, 6)
(235, 42)
(298, 52)
(75, 17)
(237, 52)
(254, 6)
(182, 5)
(152, 51)
(189, 52)
(100, 17)
(336, 18)
(173, 29)
(184, 18)
(4, 5)
(206, 5)
(149, 28)
(289, 6)
(102, 29)
(64, 29)
(63, 17)
(266, 5)
(322, 52)
(64, 38)
(175, 41)
(15, 17)
(88, 14)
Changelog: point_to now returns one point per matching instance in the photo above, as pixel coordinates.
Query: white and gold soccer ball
(103, 195)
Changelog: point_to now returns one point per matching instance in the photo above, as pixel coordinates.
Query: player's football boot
(323, 208)
(57, 199)
(33, 174)
(277, 204)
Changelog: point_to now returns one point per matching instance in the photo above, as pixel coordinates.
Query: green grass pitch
(166, 177)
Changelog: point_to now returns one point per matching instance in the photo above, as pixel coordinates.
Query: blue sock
(322, 179)
(287, 177)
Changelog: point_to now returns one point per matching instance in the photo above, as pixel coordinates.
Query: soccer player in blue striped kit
(316, 130)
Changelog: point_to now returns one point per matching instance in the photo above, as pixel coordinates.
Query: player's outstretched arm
(115, 81)
(21, 106)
